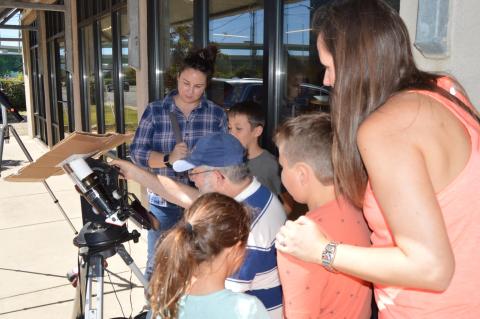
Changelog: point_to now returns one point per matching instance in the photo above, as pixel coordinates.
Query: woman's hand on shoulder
(301, 238)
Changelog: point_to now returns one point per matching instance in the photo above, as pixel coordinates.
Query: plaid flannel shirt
(155, 132)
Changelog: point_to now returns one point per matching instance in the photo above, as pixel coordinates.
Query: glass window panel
(107, 74)
(236, 28)
(62, 82)
(304, 90)
(180, 39)
(89, 76)
(62, 76)
(52, 78)
(128, 78)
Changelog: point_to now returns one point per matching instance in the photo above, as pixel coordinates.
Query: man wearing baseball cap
(217, 164)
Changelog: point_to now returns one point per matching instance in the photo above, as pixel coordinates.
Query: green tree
(14, 89)
(180, 42)
(10, 63)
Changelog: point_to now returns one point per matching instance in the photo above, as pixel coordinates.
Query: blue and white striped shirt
(155, 132)
(258, 275)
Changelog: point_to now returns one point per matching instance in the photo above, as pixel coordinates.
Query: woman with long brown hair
(195, 258)
(407, 150)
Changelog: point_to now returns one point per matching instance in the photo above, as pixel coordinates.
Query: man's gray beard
(206, 188)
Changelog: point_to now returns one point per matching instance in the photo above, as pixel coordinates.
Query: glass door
(107, 110)
(236, 28)
(39, 114)
(89, 82)
(171, 36)
(303, 90)
(128, 78)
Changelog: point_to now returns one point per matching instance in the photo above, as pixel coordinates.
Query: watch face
(328, 254)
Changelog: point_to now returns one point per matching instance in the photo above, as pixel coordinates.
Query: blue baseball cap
(215, 150)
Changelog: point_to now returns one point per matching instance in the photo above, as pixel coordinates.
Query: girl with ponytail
(195, 258)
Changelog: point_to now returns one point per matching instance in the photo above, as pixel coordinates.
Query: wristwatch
(166, 159)
(328, 255)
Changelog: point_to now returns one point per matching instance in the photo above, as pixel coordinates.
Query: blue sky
(10, 33)
(238, 28)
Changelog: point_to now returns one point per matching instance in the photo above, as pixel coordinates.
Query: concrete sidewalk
(37, 251)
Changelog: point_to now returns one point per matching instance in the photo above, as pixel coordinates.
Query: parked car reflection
(311, 97)
(227, 92)
(126, 86)
(306, 98)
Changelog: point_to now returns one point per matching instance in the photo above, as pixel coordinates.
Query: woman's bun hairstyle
(202, 60)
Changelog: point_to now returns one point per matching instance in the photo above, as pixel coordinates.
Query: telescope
(116, 206)
(98, 183)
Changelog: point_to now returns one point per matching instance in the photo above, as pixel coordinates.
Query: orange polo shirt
(309, 290)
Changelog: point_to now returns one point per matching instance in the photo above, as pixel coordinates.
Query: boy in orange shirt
(309, 289)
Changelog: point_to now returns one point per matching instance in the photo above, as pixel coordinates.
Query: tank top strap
(470, 123)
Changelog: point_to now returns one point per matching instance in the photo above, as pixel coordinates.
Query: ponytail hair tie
(189, 228)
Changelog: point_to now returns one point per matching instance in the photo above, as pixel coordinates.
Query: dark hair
(252, 110)
(213, 222)
(373, 61)
(202, 60)
(308, 138)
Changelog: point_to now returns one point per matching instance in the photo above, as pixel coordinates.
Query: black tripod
(5, 130)
(96, 243)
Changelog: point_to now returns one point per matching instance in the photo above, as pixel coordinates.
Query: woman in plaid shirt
(154, 145)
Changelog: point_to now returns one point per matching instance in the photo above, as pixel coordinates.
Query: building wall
(463, 40)
(462, 60)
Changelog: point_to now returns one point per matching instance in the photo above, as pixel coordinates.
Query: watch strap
(166, 160)
(328, 256)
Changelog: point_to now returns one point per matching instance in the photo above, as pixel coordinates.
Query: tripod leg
(122, 252)
(95, 271)
(19, 141)
(30, 159)
(80, 296)
(3, 131)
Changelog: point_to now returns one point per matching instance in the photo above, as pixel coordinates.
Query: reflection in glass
(89, 76)
(177, 29)
(236, 28)
(62, 82)
(106, 73)
(51, 53)
(128, 78)
(304, 91)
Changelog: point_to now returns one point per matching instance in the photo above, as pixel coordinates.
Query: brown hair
(373, 60)
(308, 138)
(213, 222)
(202, 60)
(252, 110)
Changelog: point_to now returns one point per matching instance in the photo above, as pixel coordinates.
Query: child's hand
(301, 239)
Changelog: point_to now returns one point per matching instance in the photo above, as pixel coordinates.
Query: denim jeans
(168, 217)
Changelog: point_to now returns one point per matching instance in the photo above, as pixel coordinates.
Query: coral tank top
(460, 205)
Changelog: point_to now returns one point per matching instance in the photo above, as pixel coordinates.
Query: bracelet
(166, 160)
(328, 256)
